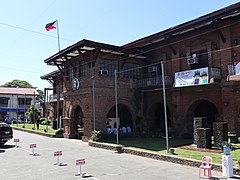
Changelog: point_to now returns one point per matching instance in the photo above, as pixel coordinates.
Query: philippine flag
(51, 25)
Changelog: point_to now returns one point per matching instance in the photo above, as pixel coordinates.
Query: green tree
(40, 97)
(32, 110)
(18, 83)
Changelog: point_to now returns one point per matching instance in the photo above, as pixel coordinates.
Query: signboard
(237, 68)
(16, 140)
(191, 77)
(33, 145)
(58, 153)
(80, 162)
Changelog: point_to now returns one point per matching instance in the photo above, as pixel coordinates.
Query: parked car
(6, 133)
(15, 121)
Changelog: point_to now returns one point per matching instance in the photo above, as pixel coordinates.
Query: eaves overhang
(84, 46)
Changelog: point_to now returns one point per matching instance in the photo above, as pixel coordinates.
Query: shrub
(45, 121)
(59, 132)
(95, 136)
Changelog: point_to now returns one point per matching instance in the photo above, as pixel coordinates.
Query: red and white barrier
(16, 141)
(33, 146)
(57, 154)
(80, 162)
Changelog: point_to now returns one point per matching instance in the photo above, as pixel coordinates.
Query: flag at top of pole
(50, 26)
(54, 25)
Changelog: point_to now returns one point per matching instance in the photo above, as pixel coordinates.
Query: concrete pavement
(16, 163)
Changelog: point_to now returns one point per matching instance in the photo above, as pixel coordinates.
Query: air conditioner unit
(103, 72)
(152, 69)
(193, 59)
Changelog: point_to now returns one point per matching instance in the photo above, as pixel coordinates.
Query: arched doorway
(78, 122)
(206, 109)
(123, 113)
(156, 118)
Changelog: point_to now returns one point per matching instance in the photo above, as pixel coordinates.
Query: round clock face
(75, 84)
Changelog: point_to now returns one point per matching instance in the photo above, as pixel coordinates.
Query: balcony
(214, 73)
(54, 97)
(154, 82)
(234, 72)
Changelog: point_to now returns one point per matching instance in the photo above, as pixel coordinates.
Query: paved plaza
(17, 163)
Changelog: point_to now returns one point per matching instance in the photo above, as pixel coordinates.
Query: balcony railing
(3, 105)
(155, 82)
(214, 73)
(54, 97)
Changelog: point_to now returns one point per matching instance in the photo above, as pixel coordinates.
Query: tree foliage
(18, 83)
(32, 110)
(40, 97)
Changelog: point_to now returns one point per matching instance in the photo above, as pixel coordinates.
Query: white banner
(191, 77)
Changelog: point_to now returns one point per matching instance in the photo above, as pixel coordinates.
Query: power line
(36, 32)
(159, 47)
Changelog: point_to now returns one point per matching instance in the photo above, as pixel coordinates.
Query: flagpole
(58, 90)
(58, 36)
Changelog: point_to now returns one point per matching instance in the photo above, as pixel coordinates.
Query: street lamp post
(24, 117)
(34, 102)
(115, 73)
(94, 112)
(165, 107)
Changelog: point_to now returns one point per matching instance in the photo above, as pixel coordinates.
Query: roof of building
(18, 91)
(50, 75)
(84, 46)
(211, 19)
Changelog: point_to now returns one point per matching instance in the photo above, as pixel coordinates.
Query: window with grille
(131, 70)
(109, 66)
(4, 101)
(24, 101)
(83, 68)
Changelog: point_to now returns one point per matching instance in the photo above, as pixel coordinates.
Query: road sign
(33, 145)
(58, 153)
(16, 140)
(80, 162)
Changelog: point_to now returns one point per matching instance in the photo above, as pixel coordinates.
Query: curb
(157, 156)
(35, 132)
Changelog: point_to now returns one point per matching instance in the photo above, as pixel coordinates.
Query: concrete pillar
(220, 133)
(204, 138)
(198, 122)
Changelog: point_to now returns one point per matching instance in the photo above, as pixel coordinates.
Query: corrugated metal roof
(19, 91)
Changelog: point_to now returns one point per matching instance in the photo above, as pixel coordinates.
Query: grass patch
(151, 144)
(158, 145)
(41, 128)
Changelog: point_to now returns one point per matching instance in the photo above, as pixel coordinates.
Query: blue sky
(25, 44)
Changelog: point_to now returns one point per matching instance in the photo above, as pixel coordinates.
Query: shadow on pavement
(235, 177)
(7, 146)
(2, 151)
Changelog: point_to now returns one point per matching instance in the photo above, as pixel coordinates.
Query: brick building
(201, 72)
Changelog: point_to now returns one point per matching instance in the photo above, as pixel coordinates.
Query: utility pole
(34, 116)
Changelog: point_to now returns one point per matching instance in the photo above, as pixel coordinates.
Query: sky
(25, 44)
